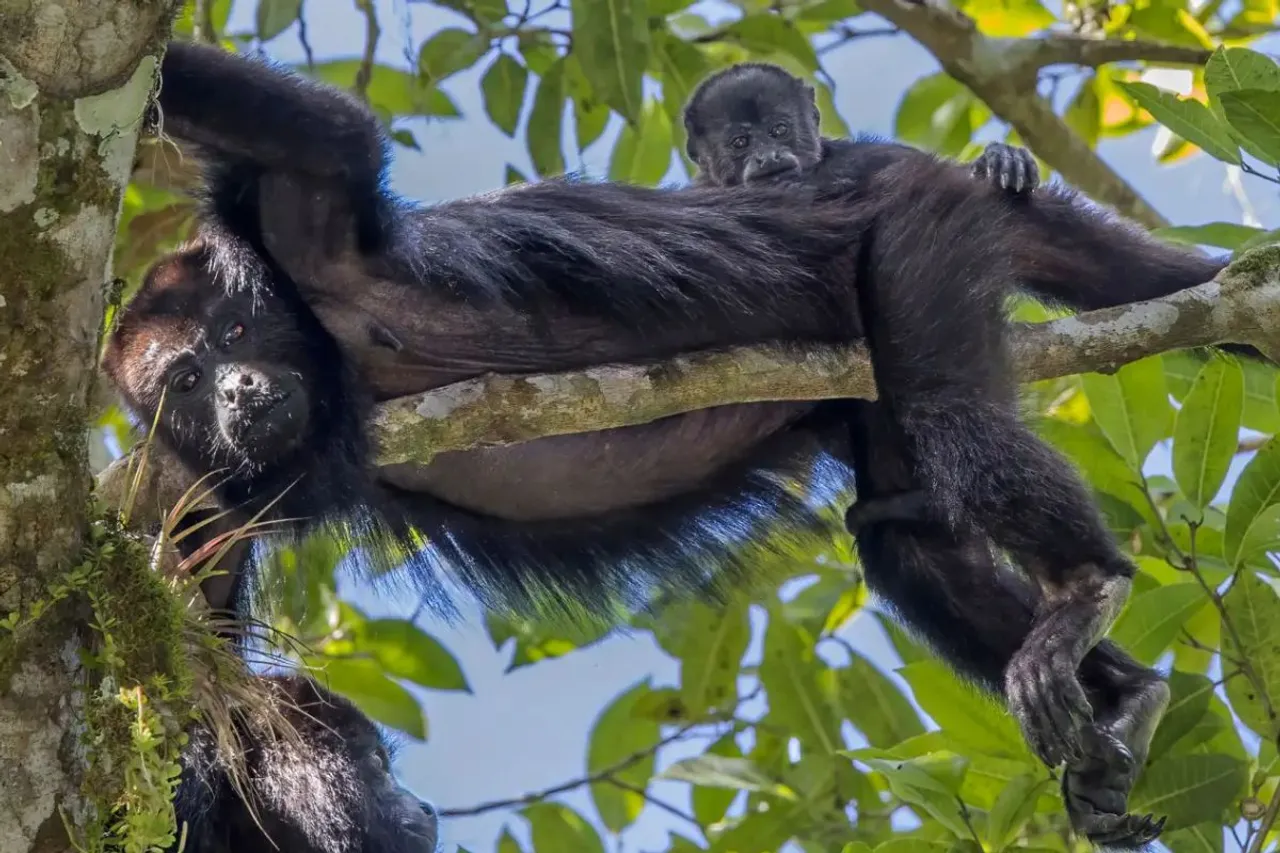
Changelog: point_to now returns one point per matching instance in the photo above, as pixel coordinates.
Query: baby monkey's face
(752, 127)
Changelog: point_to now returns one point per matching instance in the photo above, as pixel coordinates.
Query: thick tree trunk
(74, 80)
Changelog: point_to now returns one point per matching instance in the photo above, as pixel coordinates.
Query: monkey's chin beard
(267, 435)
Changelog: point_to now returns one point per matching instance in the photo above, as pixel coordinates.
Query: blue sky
(528, 730)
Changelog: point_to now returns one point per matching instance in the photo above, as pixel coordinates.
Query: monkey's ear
(812, 97)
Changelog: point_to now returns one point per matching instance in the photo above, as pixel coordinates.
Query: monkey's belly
(587, 474)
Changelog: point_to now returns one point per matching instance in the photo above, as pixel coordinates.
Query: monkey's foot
(1096, 793)
(901, 506)
(1046, 698)
(1011, 168)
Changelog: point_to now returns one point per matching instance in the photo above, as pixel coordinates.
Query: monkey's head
(238, 377)
(752, 122)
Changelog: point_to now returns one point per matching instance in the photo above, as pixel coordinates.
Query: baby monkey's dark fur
(353, 294)
(325, 787)
(756, 123)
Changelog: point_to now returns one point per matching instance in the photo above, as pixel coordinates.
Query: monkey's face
(750, 125)
(229, 374)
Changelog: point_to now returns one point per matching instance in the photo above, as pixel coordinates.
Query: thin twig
(1268, 821)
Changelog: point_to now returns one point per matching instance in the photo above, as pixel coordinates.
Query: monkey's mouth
(778, 167)
(272, 425)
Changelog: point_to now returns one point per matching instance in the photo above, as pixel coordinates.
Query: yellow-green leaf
(709, 643)
(611, 40)
(1188, 703)
(275, 16)
(766, 33)
(618, 734)
(716, 771)
(406, 651)
(1008, 18)
(1013, 808)
(802, 690)
(710, 803)
(1151, 620)
(876, 706)
(1224, 235)
(970, 718)
(1254, 612)
(1188, 118)
(938, 113)
(363, 682)
(545, 126)
(1254, 114)
(1257, 489)
(397, 92)
(555, 827)
(642, 154)
(503, 87)
(1189, 789)
(1207, 429)
(1131, 407)
(449, 51)
(1232, 68)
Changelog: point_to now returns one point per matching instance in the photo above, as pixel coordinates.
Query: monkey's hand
(1044, 694)
(1009, 167)
(903, 506)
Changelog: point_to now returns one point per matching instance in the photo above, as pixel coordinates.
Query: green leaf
(1224, 235)
(642, 154)
(363, 682)
(1190, 119)
(709, 643)
(1084, 113)
(406, 651)
(1257, 489)
(1013, 808)
(1207, 430)
(275, 16)
(832, 123)
(937, 113)
(554, 827)
(1233, 68)
(1202, 838)
(1131, 407)
(1188, 705)
(536, 640)
(1189, 789)
(711, 803)
(397, 92)
(663, 8)
(545, 126)
(611, 40)
(716, 771)
(1255, 115)
(970, 718)
(618, 735)
(449, 51)
(767, 33)
(875, 705)
(1254, 611)
(503, 87)
(908, 648)
(507, 843)
(590, 114)
(512, 175)
(802, 690)
(829, 11)
(1151, 620)
(931, 782)
(483, 12)
(1263, 238)
(1008, 18)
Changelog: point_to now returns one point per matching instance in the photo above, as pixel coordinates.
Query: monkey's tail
(700, 544)
(1074, 253)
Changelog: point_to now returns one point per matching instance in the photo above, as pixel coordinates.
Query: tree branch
(1071, 49)
(1242, 306)
(1002, 73)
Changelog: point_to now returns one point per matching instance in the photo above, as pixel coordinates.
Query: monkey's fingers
(1049, 702)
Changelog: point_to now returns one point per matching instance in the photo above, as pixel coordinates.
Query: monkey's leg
(1009, 167)
(950, 590)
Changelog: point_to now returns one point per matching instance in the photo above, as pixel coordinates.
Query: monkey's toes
(1125, 832)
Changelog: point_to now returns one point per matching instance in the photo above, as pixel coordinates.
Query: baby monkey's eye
(184, 380)
(739, 142)
(233, 333)
(779, 129)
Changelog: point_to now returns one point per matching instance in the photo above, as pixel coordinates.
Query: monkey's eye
(739, 142)
(779, 129)
(184, 380)
(233, 333)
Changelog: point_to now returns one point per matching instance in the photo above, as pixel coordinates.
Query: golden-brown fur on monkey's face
(229, 371)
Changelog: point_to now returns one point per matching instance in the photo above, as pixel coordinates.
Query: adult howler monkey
(756, 123)
(326, 787)
(301, 234)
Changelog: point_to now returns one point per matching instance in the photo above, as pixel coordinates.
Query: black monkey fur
(562, 275)
(756, 123)
(327, 790)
